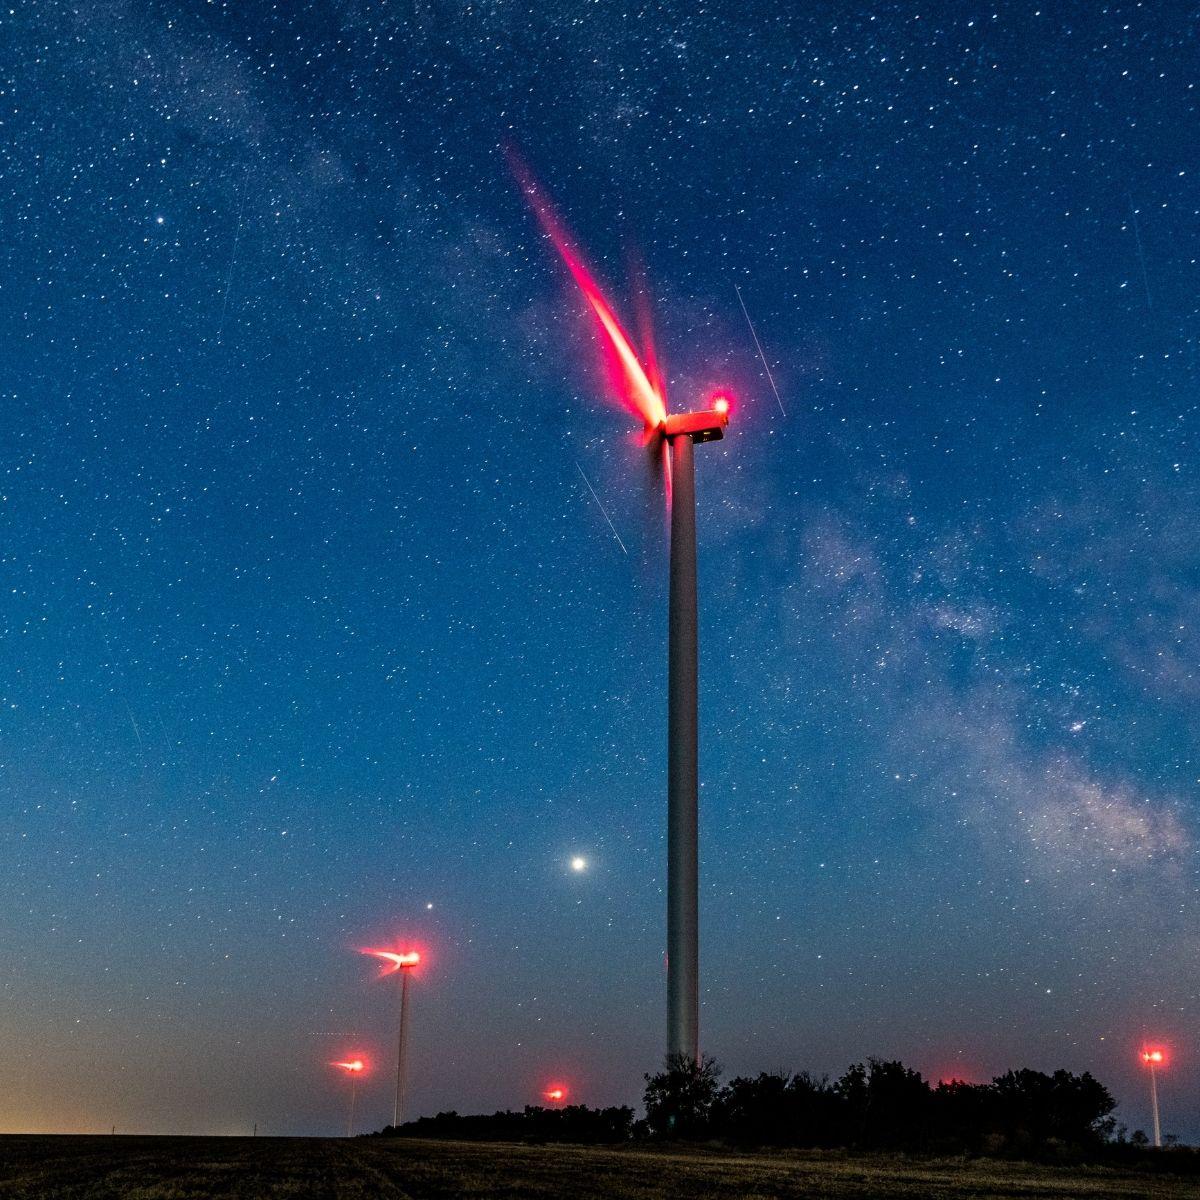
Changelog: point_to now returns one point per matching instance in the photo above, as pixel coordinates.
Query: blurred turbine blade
(635, 389)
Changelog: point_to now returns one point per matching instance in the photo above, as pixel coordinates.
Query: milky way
(316, 634)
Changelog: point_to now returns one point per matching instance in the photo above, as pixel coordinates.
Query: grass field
(145, 1168)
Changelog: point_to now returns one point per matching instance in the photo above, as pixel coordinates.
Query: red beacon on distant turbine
(353, 1067)
(1154, 1057)
(555, 1093)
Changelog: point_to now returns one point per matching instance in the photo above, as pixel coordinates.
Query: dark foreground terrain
(146, 1168)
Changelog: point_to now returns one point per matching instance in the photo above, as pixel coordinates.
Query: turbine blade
(638, 391)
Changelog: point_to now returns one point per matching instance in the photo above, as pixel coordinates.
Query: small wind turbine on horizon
(402, 962)
(669, 437)
(1154, 1057)
(353, 1068)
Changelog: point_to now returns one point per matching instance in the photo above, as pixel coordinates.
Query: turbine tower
(681, 433)
(1154, 1057)
(670, 438)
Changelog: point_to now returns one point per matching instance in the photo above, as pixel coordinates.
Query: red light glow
(352, 1067)
(720, 403)
(556, 1093)
(394, 960)
(1154, 1056)
(637, 387)
(952, 1081)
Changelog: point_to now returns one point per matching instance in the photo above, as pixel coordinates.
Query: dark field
(147, 1168)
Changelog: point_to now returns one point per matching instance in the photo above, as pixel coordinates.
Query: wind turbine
(670, 438)
(353, 1067)
(1154, 1057)
(403, 963)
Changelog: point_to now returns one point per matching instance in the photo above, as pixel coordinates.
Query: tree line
(877, 1105)
(881, 1105)
(572, 1123)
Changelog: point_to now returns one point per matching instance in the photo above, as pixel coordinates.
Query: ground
(144, 1168)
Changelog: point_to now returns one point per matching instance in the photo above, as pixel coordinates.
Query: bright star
(579, 863)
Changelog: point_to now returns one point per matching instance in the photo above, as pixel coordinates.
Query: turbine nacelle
(705, 426)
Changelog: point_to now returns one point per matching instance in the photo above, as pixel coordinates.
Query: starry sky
(315, 636)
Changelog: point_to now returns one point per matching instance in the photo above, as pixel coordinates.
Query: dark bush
(963, 1117)
(886, 1105)
(778, 1110)
(1034, 1109)
(678, 1099)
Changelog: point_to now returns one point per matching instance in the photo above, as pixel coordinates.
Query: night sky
(313, 635)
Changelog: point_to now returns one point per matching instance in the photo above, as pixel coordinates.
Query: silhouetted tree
(852, 1093)
(886, 1104)
(819, 1112)
(678, 1099)
(755, 1111)
(778, 1110)
(962, 1116)
(1034, 1108)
